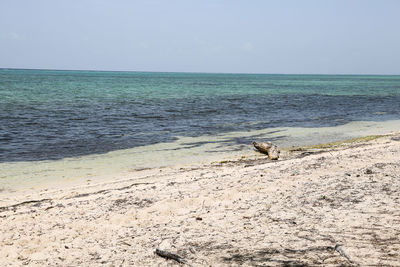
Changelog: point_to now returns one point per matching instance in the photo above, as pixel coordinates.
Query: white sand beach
(332, 206)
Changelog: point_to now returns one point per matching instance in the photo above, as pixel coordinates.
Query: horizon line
(200, 72)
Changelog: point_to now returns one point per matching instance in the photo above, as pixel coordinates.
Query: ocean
(80, 125)
(50, 115)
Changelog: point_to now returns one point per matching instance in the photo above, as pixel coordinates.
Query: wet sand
(335, 206)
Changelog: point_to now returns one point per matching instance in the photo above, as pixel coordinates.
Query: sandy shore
(334, 206)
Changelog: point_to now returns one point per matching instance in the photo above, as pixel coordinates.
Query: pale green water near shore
(186, 151)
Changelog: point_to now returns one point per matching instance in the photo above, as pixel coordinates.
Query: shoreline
(28, 177)
(296, 210)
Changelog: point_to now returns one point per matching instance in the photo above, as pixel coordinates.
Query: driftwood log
(268, 148)
(170, 256)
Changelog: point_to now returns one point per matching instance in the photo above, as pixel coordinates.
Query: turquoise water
(48, 115)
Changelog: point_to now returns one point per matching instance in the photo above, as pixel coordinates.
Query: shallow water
(185, 151)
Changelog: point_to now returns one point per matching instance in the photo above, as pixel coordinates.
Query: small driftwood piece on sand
(339, 249)
(170, 256)
(268, 148)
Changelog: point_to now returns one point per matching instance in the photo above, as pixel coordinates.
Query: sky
(229, 36)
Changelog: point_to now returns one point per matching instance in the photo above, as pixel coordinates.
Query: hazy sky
(248, 36)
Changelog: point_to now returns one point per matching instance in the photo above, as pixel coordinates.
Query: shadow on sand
(288, 257)
(235, 143)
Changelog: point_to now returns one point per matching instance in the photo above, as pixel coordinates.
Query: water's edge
(186, 151)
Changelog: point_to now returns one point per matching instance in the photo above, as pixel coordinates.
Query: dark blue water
(56, 114)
